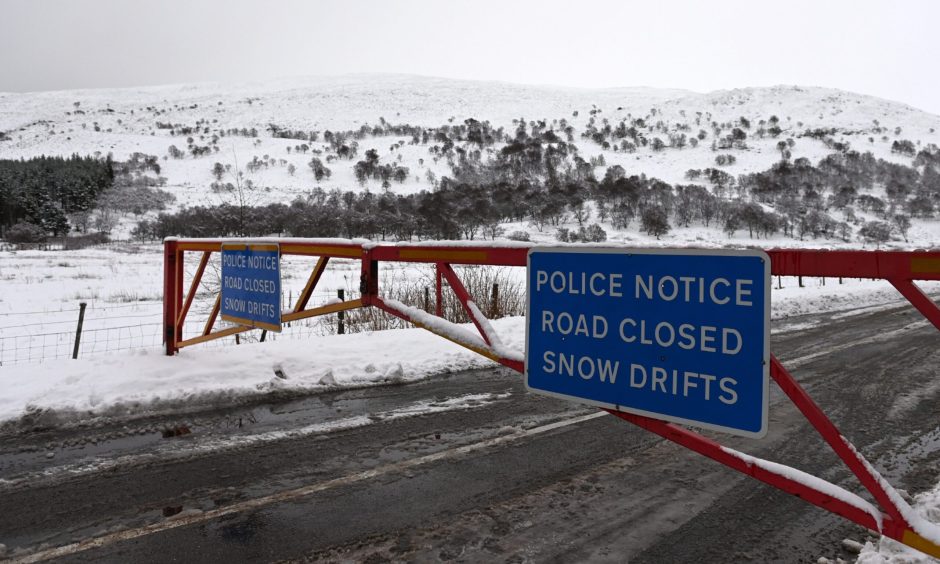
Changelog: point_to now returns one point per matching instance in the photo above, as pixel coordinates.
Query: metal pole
(170, 290)
(439, 308)
(341, 316)
(78, 330)
(494, 302)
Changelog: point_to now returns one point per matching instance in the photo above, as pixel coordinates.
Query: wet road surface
(469, 467)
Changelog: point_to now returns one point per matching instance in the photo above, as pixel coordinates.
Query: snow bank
(145, 382)
(926, 507)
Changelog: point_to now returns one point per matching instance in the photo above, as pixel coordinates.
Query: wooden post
(780, 282)
(340, 316)
(439, 308)
(800, 278)
(494, 302)
(427, 299)
(78, 330)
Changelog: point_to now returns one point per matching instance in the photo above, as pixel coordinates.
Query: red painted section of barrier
(171, 258)
(707, 447)
(887, 265)
(901, 268)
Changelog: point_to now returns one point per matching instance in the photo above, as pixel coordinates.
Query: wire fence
(108, 328)
(51, 339)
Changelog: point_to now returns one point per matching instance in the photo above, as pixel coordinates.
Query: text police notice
(676, 334)
(251, 285)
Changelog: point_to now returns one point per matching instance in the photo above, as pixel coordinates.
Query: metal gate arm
(868, 477)
(868, 517)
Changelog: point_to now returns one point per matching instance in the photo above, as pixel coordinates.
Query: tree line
(544, 182)
(44, 190)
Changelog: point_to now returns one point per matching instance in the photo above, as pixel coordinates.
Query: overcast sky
(883, 48)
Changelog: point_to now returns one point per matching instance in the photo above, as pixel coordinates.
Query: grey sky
(883, 48)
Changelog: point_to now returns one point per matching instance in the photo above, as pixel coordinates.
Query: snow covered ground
(122, 283)
(124, 121)
(65, 392)
(123, 290)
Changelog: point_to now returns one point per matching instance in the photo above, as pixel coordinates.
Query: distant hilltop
(540, 155)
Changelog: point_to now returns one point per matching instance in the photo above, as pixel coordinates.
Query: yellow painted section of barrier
(322, 310)
(320, 250)
(925, 265)
(252, 324)
(198, 246)
(913, 540)
(480, 351)
(212, 336)
(456, 256)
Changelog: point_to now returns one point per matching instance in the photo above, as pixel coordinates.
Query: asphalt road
(469, 467)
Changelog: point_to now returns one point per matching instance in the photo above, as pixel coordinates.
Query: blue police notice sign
(676, 334)
(251, 285)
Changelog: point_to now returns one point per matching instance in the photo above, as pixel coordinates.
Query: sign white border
(664, 251)
(244, 322)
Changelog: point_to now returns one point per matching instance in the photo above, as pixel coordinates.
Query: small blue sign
(251, 285)
(681, 335)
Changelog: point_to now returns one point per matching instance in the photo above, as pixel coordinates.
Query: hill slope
(235, 126)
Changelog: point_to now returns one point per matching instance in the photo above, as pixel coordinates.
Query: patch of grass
(86, 294)
(420, 293)
(129, 296)
(86, 276)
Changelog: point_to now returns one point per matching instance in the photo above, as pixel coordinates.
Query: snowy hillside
(126, 121)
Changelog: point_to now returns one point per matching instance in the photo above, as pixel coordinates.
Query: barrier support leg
(213, 315)
(312, 281)
(463, 295)
(839, 444)
(711, 449)
(197, 278)
(927, 307)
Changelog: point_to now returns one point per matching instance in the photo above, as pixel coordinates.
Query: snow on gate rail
(893, 517)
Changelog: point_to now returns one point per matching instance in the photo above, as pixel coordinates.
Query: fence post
(170, 291)
(427, 299)
(800, 278)
(78, 330)
(494, 302)
(439, 308)
(340, 316)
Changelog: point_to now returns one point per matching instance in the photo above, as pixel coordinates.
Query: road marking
(288, 495)
(180, 450)
(794, 362)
